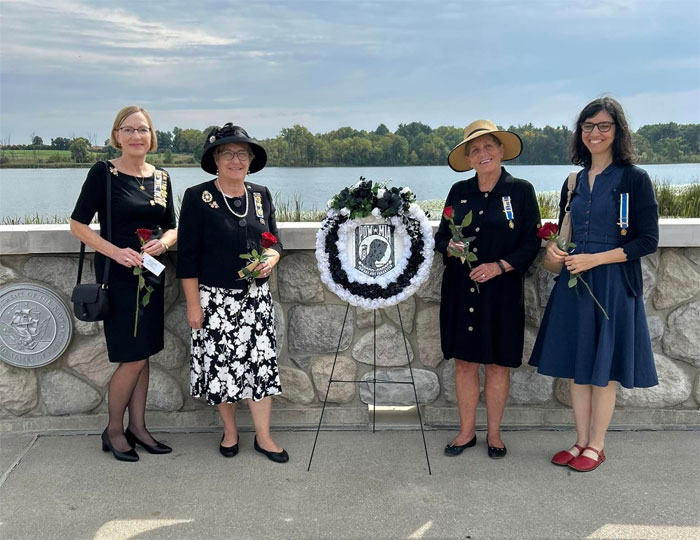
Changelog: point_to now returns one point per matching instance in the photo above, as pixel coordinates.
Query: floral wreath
(395, 206)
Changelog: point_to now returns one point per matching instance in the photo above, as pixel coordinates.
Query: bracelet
(165, 246)
(500, 265)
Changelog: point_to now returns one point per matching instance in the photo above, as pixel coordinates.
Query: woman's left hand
(154, 248)
(576, 264)
(265, 268)
(485, 272)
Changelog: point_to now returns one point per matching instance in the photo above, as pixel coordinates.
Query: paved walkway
(361, 485)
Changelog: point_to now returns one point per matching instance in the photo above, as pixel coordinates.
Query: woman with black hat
(232, 318)
(482, 314)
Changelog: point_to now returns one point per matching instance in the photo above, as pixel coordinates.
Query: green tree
(165, 140)
(60, 143)
(79, 150)
(381, 130)
(37, 141)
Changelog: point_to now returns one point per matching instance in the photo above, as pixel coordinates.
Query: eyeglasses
(130, 131)
(602, 126)
(228, 155)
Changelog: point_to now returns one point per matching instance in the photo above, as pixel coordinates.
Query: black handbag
(90, 300)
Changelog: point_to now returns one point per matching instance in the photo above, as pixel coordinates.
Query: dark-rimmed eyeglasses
(228, 155)
(602, 126)
(130, 131)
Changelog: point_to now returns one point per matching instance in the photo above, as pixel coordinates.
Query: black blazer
(211, 239)
(642, 236)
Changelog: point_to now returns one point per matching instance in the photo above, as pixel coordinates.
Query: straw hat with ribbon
(512, 145)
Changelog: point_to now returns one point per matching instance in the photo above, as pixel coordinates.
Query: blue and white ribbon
(508, 210)
(624, 222)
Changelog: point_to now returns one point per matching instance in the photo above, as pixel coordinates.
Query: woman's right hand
(553, 253)
(127, 257)
(195, 316)
(459, 246)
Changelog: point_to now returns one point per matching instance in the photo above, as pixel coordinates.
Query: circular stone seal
(35, 326)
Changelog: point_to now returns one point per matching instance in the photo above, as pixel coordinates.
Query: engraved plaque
(35, 325)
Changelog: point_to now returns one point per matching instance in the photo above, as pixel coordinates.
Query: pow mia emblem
(35, 326)
(374, 249)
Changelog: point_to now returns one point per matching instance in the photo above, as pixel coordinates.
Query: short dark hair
(622, 147)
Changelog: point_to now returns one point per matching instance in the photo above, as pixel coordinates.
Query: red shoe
(585, 464)
(564, 457)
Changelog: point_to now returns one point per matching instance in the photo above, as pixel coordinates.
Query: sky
(67, 67)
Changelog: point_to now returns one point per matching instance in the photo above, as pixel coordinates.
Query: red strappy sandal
(564, 457)
(584, 463)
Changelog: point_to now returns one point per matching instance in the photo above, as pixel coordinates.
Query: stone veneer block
(533, 310)
(172, 284)
(364, 318)
(448, 381)
(428, 336)
(18, 389)
(527, 387)
(164, 392)
(345, 370)
(176, 322)
(59, 272)
(648, 277)
(696, 390)
(682, 339)
(390, 347)
(174, 353)
(656, 327)
(545, 284)
(693, 254)
(316, 329)
(678, 281)
(299, 280)
(7, 274)
(427, 387)
(89, 358)
(430, 290)
(675, 386)
(408, 311)
(280, 327)
(296, 385)
(561, 391)
(64, 393)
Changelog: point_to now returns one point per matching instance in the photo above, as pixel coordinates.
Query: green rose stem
(572, 283)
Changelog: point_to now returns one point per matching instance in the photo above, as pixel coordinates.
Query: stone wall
(71, 393)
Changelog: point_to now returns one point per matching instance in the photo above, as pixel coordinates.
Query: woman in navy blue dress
(614, 215)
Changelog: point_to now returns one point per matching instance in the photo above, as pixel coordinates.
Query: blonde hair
(123, 115)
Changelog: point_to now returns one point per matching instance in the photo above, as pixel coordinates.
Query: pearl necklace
(245, 194)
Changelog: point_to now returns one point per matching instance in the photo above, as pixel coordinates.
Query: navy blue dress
(575, 341)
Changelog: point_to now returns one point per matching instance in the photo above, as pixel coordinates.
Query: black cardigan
(211, 239)
(642, 236)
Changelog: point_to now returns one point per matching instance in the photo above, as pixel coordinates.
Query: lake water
(51, 192)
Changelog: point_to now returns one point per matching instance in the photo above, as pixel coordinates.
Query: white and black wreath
(375, 246)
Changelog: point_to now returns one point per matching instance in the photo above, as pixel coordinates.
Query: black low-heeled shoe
(227, 451)
(456, 449)
(277, 457)
(158, 448)
(129, 455)
(495, 452)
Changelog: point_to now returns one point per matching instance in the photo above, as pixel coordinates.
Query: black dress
(132, 208)
(487, 327)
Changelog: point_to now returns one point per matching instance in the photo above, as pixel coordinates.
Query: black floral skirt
(233, 354)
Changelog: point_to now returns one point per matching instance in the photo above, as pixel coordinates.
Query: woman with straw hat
(488, 239)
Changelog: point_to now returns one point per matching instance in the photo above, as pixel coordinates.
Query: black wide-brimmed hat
(231, 134)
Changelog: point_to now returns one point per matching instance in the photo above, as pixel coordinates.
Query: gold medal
(623, 232)
(510, 224)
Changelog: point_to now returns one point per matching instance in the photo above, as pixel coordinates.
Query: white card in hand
(152, 264)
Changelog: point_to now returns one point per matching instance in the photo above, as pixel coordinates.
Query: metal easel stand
(374, 381)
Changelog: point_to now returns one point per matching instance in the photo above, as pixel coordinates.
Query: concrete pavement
(361, 485)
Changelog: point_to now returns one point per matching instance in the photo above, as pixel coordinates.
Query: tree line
(411, 144)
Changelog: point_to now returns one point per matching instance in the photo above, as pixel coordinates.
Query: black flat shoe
(158, 448)
(228, 451)
(495, 452)
(277, 457)
(130, 455)
(456, 449)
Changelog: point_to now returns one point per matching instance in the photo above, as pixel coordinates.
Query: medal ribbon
(624, 213)
(508, 209)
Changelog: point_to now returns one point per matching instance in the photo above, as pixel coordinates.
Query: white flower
(344, 211)
(329, 203)
(406, 190)
(380, 193)
(376, 212)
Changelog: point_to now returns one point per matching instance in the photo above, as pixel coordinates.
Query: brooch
(206, 196)
(258, 204)
(213, 204)
(114, 171)
(212, 139)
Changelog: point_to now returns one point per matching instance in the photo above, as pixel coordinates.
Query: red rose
(448, 212)
(268, 240)
(548, 231)
(144, 235)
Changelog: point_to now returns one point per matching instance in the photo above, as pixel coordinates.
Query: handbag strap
(108, 187)
(565, 231)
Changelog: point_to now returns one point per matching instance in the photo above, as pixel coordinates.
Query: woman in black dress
(232, 319)
(141, 199)
(482, 309)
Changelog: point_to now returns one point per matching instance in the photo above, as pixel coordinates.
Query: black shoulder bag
(90, 300)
